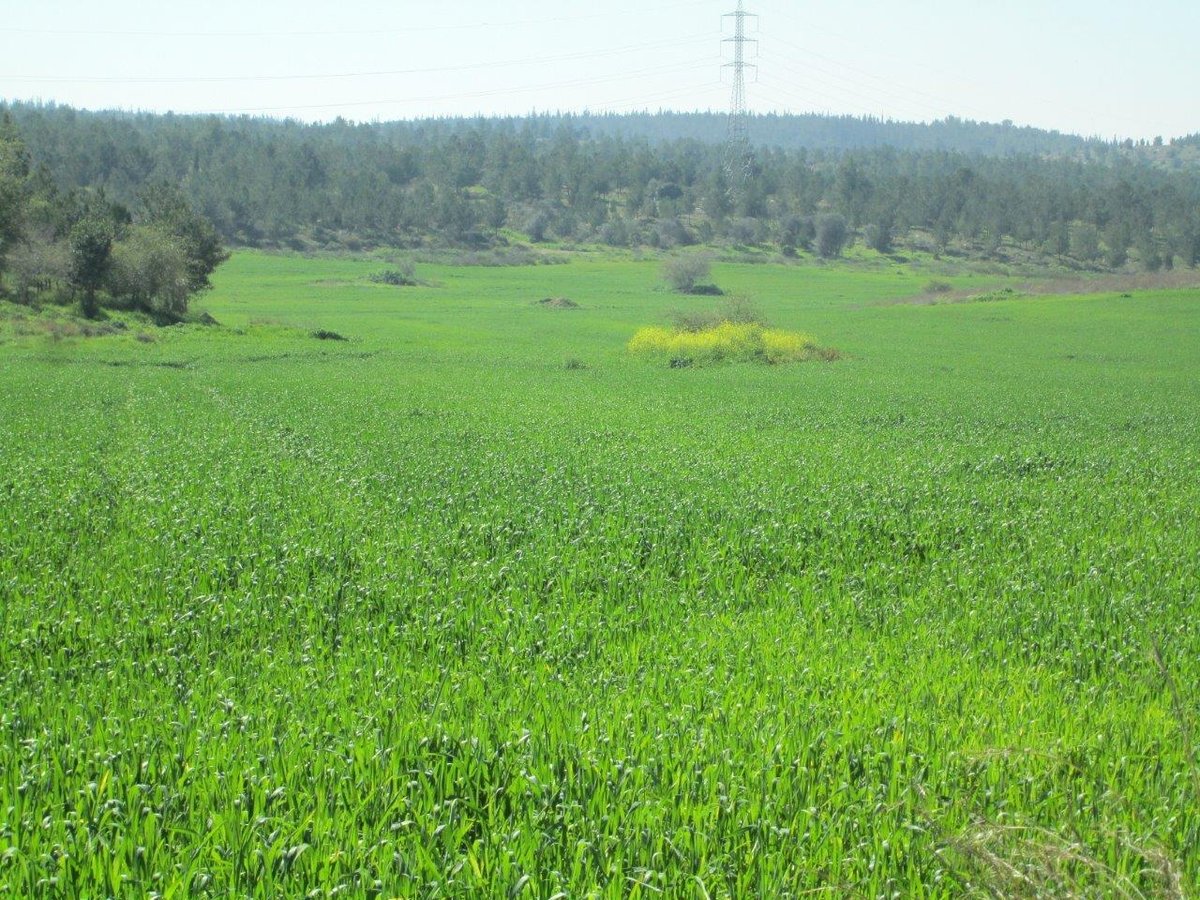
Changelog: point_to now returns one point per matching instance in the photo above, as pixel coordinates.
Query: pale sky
(1094, 68)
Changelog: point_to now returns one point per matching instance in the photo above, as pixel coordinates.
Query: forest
(153, 254)
(953, 187)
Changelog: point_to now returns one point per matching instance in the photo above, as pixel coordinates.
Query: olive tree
(832, 235)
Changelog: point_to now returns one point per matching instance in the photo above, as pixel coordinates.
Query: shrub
(404, 275)
(879, 236)
(684, 273)
(1083, 241)
(672, 233)
(38, 266)
(937, 286)
(737, 310)
(797, 231)
(741, 311)
(832, 235)
(615, 233)
(150, 269)
(749, 342)
(500, 256)
(745, 231)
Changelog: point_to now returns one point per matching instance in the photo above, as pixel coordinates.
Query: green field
(477, 604)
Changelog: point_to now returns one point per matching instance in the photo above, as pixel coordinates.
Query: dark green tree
(14, 186)
(150, 269)
(797, 232)
(854, 189)
(90, 244)
(1148, 251)
(832, 235)
(880, 234)
(1083, 239)
(1116, 244)
(166, 208)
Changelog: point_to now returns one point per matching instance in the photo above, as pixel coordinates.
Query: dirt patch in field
(558, 303)
(1118, 283)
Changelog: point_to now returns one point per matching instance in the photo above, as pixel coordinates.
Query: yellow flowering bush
(725, 341)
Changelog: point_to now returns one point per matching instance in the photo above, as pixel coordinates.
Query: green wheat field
(479, 603)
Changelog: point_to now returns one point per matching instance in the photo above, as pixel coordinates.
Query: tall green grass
(427, 613)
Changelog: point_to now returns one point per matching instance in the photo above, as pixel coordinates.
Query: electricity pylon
(738, 157)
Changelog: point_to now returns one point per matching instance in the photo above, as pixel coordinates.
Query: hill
(641, 180)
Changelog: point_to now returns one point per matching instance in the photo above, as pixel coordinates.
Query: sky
(1095, 68)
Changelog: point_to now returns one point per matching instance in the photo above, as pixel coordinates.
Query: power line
(641, 98)
(871, 95)
(941, 103)
(327, 33)
(957, 75)
(689, 41)
(582, 82)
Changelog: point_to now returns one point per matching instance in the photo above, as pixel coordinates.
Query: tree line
(152, 255)
(465, 182)
(815, 131)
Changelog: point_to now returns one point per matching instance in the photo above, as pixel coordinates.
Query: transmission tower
(738, 157)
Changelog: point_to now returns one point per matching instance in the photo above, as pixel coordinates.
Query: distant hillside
(843, 133)
(822, 132)
(644, 179)
(835, 134)
(810, 131)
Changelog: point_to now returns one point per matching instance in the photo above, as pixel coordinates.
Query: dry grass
(60, 329)
(1117, 283)
(558, 303)
(1031, 861)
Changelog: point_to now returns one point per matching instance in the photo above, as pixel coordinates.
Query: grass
(431, 613)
